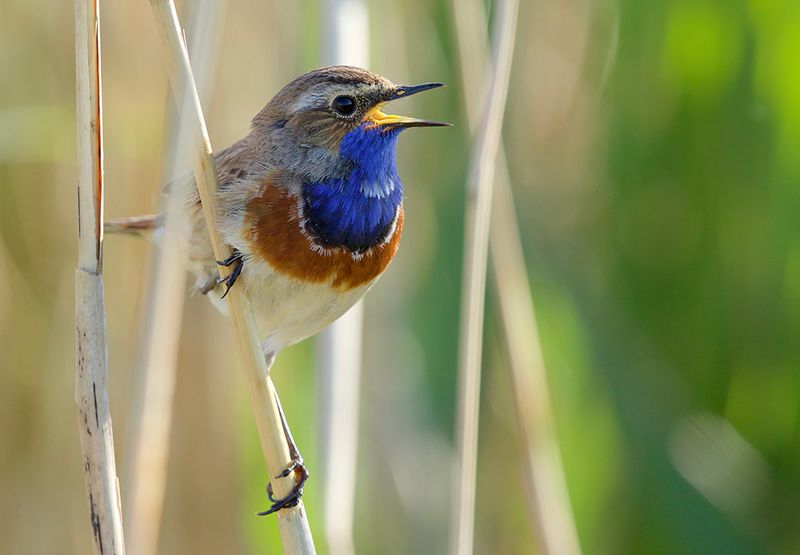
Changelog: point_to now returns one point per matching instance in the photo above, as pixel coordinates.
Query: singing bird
(311, 203)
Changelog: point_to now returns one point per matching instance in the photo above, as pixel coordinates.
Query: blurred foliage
(655, 152)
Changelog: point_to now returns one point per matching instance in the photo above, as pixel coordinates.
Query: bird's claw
(293, 497)
(296, 463)
(236, 259)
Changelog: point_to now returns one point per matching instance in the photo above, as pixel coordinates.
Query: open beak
(391, 121)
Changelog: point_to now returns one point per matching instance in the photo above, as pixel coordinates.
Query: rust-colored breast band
(276, 236)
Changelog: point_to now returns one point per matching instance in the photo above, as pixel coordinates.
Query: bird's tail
(135, 225)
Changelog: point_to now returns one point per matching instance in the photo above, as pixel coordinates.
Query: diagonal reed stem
(479, 201)
(547, 491)
(91, 368)
(292, 522)
(157, 354)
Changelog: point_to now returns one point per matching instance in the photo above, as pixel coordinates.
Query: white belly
(288, 310)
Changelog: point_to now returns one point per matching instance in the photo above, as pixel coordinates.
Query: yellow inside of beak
(379, 118)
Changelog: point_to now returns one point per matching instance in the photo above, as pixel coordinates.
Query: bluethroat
(312, 204)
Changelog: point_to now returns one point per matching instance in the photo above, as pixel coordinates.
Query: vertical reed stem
(91, 369)
(292, 522)
(346, 39)
(479, 200)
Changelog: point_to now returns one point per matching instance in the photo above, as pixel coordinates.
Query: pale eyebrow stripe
(312, 96)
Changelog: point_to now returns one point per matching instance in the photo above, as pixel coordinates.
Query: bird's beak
(377, 117)
(389, 120)
(403, 91)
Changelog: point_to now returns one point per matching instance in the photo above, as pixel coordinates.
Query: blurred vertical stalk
(547, 495)
(292, 522)
(151, 418)
(91, 368)
(346, 41)
(478, 210)
(547, 487)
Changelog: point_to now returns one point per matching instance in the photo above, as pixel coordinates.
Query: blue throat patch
(357, 211)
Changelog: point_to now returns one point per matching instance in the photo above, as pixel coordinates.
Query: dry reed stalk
(292, 522)
(346, 37)
(479, 201)
(547, 487)
(157, 354)
(91, 369)
(547, 491)
(339, 352)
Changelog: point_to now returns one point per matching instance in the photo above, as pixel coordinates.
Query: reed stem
(292, 522)
(546, 485)
(91, 368)
(157, 354)
(339, 347)
(478, 210)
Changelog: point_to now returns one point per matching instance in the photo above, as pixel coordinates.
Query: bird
(311, 203)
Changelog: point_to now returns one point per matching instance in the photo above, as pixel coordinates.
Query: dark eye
(345, 105)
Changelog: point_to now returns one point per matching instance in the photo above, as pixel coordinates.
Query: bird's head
(306, 123)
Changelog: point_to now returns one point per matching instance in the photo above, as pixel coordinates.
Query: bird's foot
(293, 497)
(296, 466)
(236, 259)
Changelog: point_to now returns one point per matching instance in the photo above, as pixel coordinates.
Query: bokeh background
(654, 150)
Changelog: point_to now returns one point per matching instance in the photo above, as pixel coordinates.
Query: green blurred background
(654, 150)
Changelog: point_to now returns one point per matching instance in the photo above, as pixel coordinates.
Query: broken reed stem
(91, 369)
(292, 522)
(346, 38)
(157, 355)
(547, 490)
(478, 210)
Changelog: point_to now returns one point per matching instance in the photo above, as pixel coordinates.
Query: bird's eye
(345, 105)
